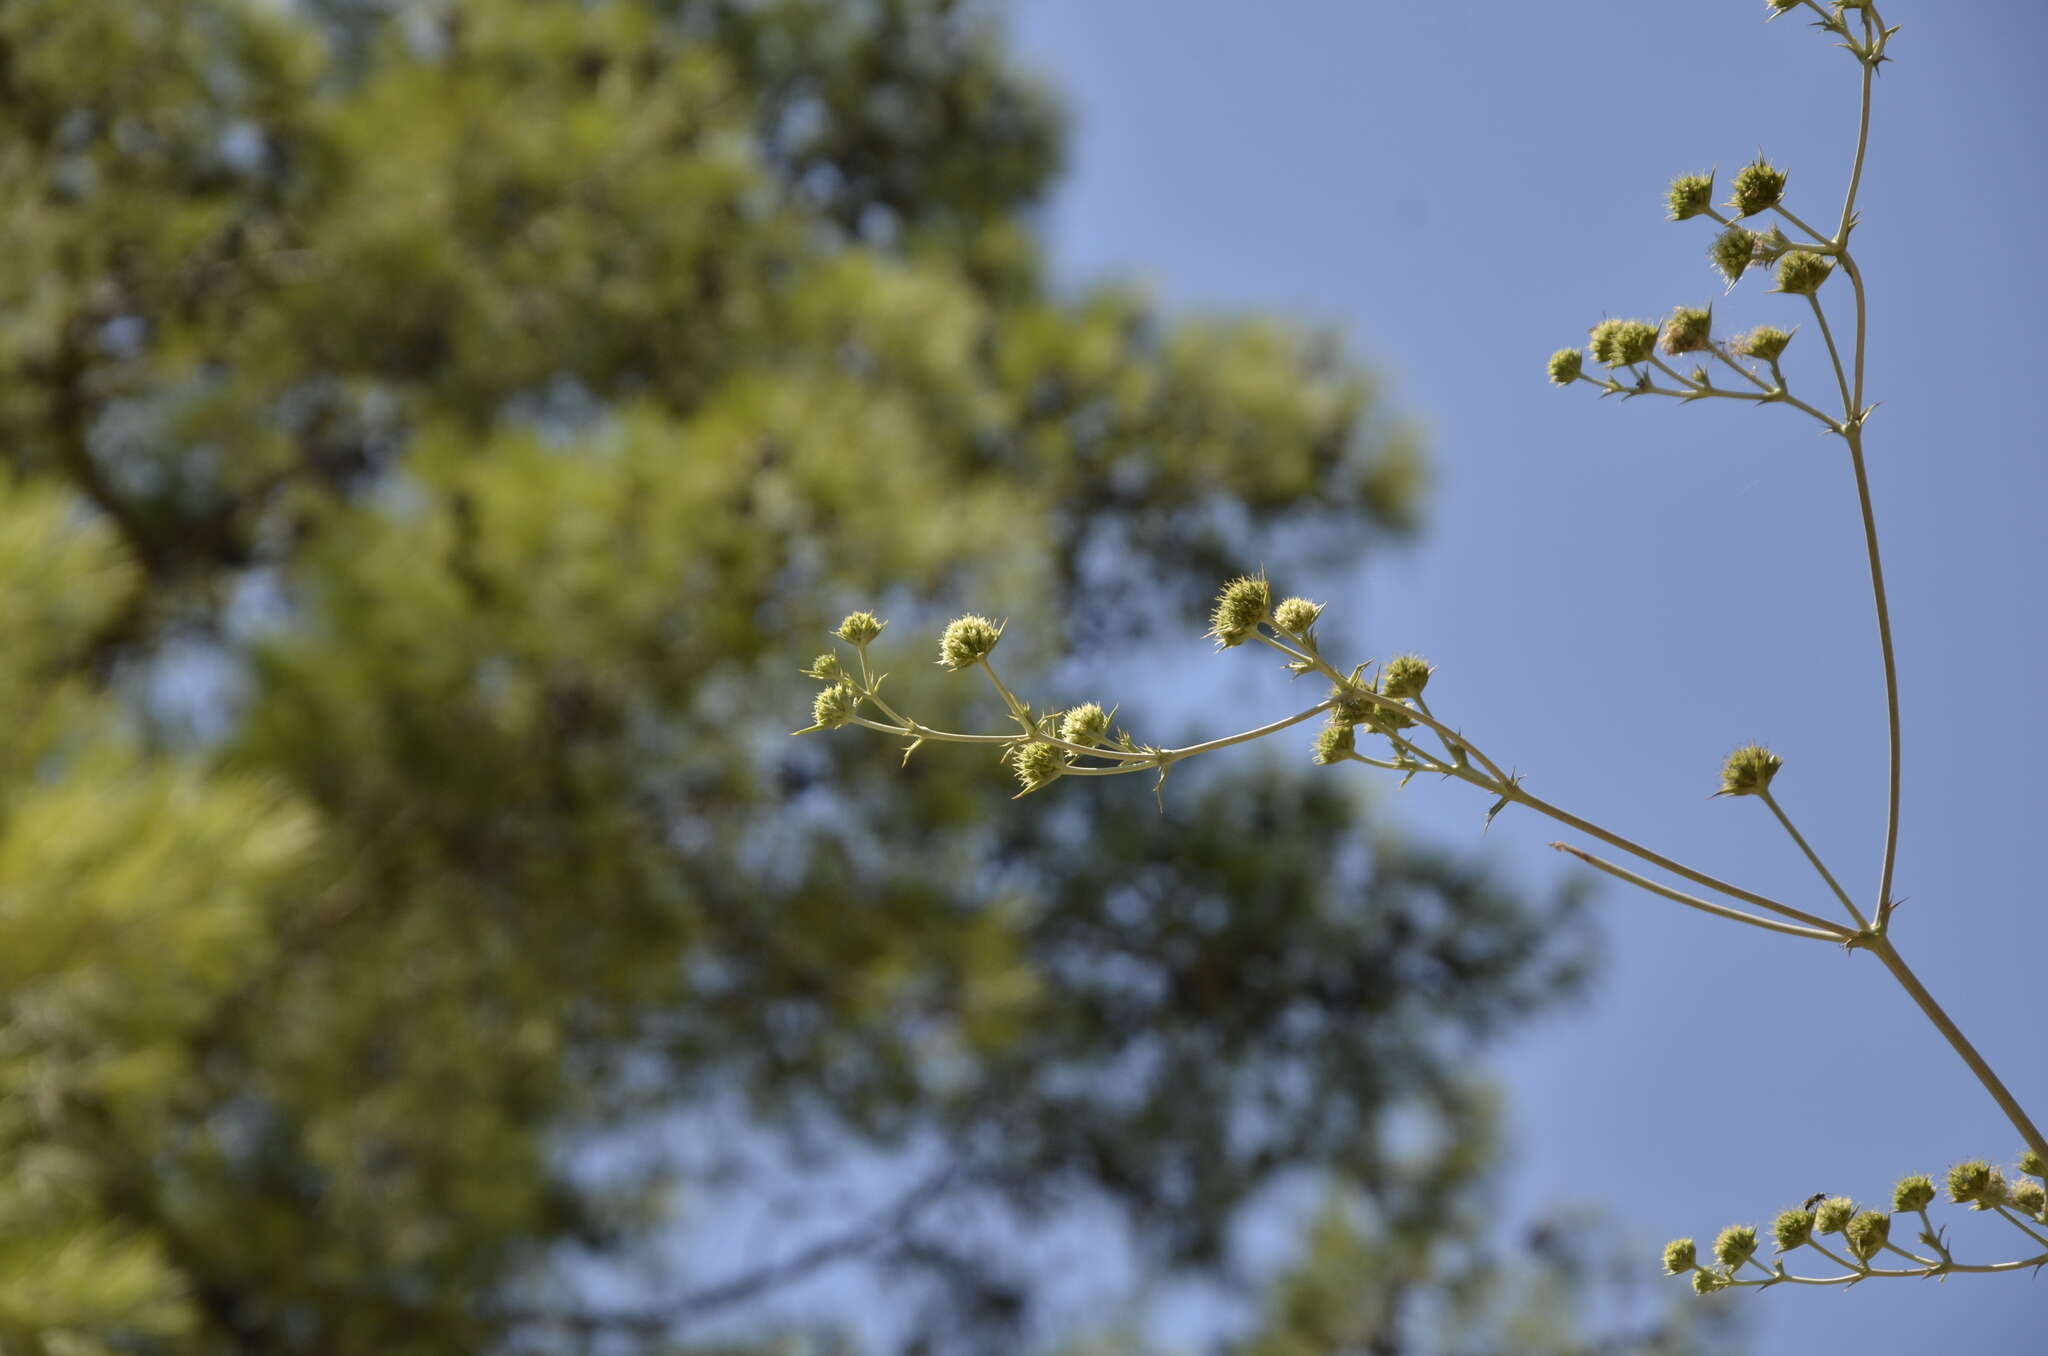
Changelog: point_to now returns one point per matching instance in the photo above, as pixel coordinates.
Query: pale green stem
(1721, 352)
(1501, 784)
(1174, 755)
(1358, 757)
(1017, 709)
(1772, 801)
(1835, 935)
(1136, 761)
(1442, 731)
(1914, 1257)
(1933, 1235)
(1516, 794)
(1777, 397)
(1858, 1274)
(1881, 946)
(1826, 246)
(911, 729)
(2020, 1225)
(1862, 145)
(1848, 404)
(1822, 1249)
(1854, 436)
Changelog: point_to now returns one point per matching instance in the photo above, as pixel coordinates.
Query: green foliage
(494, 395)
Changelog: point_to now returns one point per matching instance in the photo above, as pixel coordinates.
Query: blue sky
(1616, 594)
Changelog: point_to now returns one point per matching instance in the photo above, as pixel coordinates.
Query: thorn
(915, 745)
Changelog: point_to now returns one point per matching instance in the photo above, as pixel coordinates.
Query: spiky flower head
(1706, 1282)
(1405, 675)
(1867, 1234)
(1791, 1229)
(2030, 1197)
(825, 668)
(2032, 1164)
(1687, 330)
(860, 628)
(834, 706)
(1565, 366)
(1735, 1245)
(1732, 252)
(1690, 195)
(1036, 764)
(1977, 1184)
(1913, 1193)
(1801, 274)
(1618, 343)
(1778, 7)
(1765, 342)
(1296, 615)
(1385, 719)
(1833, 1215)
(1679, 1256)
(1334, 742)
(1748, 771)
(967, 641)
(1244, 603)
(1757, 188)
(1351, 702)
(1086, 724)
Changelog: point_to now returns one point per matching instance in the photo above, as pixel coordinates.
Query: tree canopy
(436, 435)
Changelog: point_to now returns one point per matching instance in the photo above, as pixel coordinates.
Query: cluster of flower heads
(1865, 1233)
(1800, 271)
(1050, 745)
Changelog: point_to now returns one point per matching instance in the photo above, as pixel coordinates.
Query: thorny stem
(1814, 857)
(1827, 246)
(1693, 901)
(1779, 396)
(1881, 946)
(1873, 28)
(1848, 405)
(1509, 787)
(2021, 1225)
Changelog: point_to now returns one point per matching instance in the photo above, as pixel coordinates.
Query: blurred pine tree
(436, 434)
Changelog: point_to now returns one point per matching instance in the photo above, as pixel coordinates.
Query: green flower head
(1618, 343)
(1565, 366)
(1086, 724)
(2031, 1164)
(1791, 1229)
(1706, 1282)
(860, 628)
(1687, 331)
(1735, 1245)
(1689, 196)
(2030, 1197)
(1334, 742)
(1297, 615)
(1245, 602)
(1405, 676)
(1765, 342)
(1867, 1234)
(1748, 771)
(825, 668)
(1036, 764)
(1833, 1215)
(1679, 1256)
(1757, 188)
(834, 706)
(967, 641)
(1913, 1193)
(1800, 274)
(1976, 1183)
(1732, 252)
